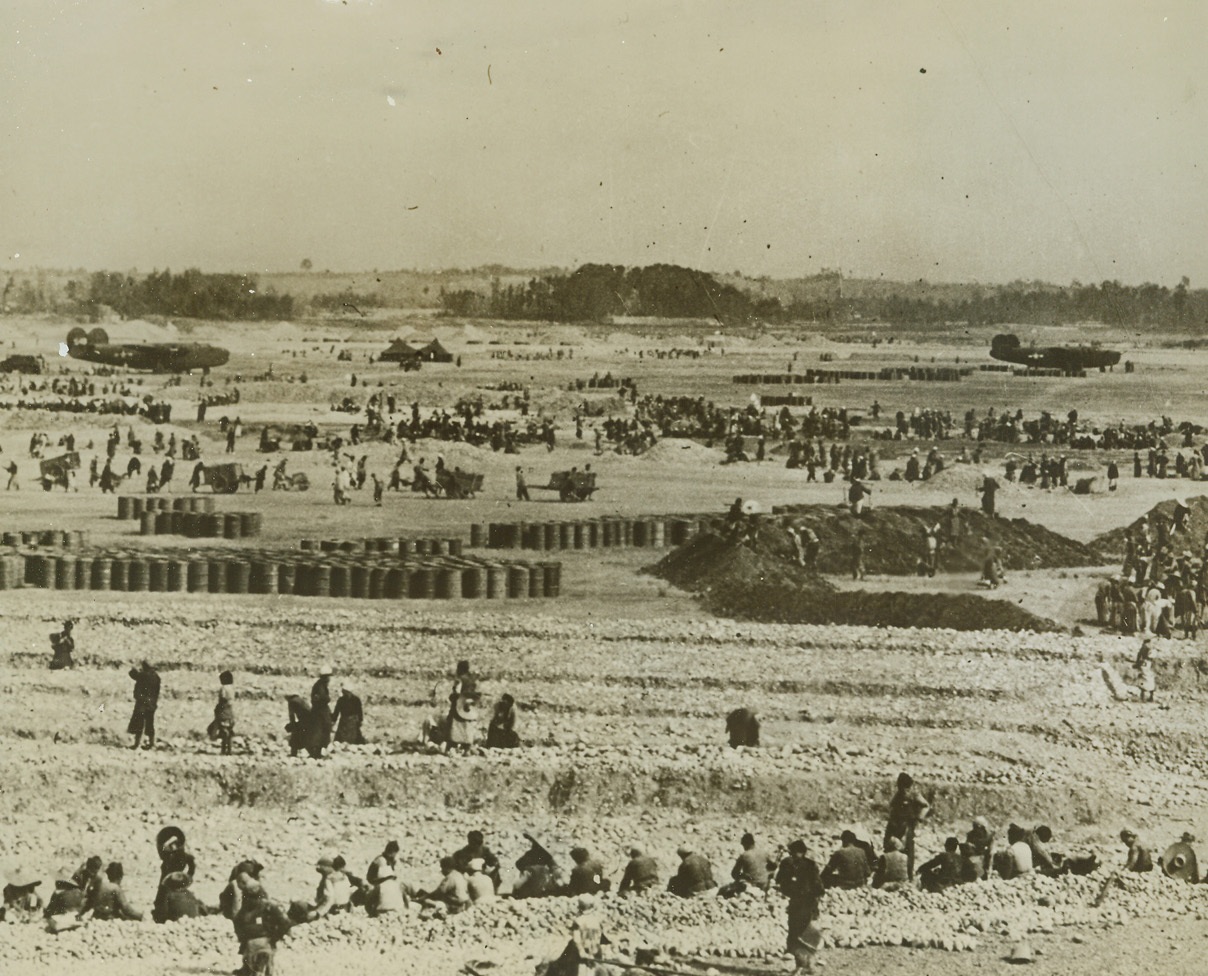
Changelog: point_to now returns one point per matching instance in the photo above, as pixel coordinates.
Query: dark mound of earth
(764, 582)
(894, 540)
(1110, 545)
(783, 603)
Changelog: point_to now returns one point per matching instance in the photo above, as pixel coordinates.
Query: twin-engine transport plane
(161, 357)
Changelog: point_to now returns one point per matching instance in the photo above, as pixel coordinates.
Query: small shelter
(399, 352)
(434, 352)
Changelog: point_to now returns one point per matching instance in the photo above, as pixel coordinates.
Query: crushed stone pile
(765, 583)
(1110, 545)
(894, 540)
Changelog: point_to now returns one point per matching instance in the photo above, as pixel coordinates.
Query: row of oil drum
(440, 578)
(599, 533)
(202, 525)
(47, 538)
(134, 506)
(386, 544)
(12, 571)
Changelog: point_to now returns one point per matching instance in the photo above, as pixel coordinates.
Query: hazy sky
(954, 140)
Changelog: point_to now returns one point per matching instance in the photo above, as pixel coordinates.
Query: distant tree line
(595, 292)
(1146, 307)
(190, 294)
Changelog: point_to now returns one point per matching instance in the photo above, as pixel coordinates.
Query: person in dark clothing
(989, 488)
(742, 725)
(694, 877)
(174, 857)
(906, 808)
(348, 715)
(641, 873)
(175, 901)
(799, 880)
(63, 645)
(540, 875)
(848, 867)
(146, 701)
(320, 713)
(68, 896)
(476, 849)
(259, 926)
(587, 876)
(299, 728)
(945, 870)
(223, 725)
(501, 732)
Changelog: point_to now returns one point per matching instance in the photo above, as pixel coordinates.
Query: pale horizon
(951, 143)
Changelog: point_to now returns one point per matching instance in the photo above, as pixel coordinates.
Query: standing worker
(223, 726)
(349, 714)
(799, 879)
(522, 494)
(906, 809)
(321, 719)
(63, 645)
(989, 487)
(146, 701)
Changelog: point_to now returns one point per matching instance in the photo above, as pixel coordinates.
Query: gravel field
(623, 683)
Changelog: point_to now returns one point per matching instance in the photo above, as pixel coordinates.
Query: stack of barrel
(643, 532)
(329, 571)
(134, 506)
(189, 515)
(389, 544)
(47, 538)
(945, 374)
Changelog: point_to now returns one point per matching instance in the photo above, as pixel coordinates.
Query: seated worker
(108, 900)
(334, 894)
(971, 864)
(479, 886)
(21, 900)
(386, 894)
(540, 875)
(1139, 860)
(449, 897)
(694, 877)
(587, 876)
(981, 839)
(848, 867)
(476, 847)
(752, 869)
(893, 867)
(1018, 861)
(358, 888)
(641, 873)
(175, 901)
(68, 896)
(1043, 859)
(944, 870)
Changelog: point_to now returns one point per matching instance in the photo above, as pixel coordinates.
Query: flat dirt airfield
(624, 680)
